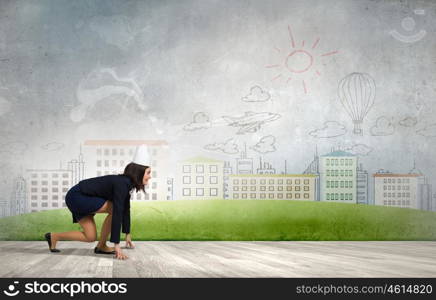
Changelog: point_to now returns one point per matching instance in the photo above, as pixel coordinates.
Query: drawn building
(4, 208)
(362, 186)
(272, 186)
(106, 157)
(338, 174)
(227, 172)
(313, 169)
(170, 185)
(200, 178)
(265, 168)
(77, 168)
(244, 165)
(18, 203)
(398, 190)
(46, 189)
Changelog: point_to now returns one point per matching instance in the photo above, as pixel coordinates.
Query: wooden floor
(223, 259)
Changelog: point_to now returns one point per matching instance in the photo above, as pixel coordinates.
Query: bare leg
(105, 231)
(89, 233)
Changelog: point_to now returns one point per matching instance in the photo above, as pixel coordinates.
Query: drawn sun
(298, 61)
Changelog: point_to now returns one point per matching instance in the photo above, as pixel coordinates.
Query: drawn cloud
(428, 131)
(265, 145)
(201, 121)
(383, 127)
(409, 122)
(228, 147)
(17, 148)
(331, 129)
(54, 146)
(5, 106)
(359, 149)
(257, 95)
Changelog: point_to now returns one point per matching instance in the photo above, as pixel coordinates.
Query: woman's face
(147, 176)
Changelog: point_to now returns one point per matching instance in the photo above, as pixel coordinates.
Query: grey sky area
(180, 70)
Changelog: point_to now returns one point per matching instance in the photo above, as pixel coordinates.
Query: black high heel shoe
(98, 251)
(48, 239)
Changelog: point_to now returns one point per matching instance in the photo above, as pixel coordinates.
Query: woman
(106, 194)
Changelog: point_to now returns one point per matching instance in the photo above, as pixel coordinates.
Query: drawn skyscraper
(362, 186)
(77, 168)
(227, 172)
(265, 168)
(244, 165)
(313, 168)
(18, 204)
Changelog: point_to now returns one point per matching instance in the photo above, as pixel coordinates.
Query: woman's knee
(90, 237)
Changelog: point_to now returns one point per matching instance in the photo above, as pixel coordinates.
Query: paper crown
(142, 156)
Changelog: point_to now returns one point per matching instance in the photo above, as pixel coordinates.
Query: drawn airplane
(251, 121)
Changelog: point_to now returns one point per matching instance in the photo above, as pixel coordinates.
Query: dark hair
(136, 172)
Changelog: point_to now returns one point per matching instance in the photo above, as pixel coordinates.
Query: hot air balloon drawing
(357, 92)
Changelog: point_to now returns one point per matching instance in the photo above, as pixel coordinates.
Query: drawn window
(199, 179)
(297, 188)
(200, 192)
(306, 188)
(297, 181)
(280, 188)
(235, 181)
(186, 169)
(306, 181)
(271, 196)
(252, 188)
(263, 196)
(297, 195)
(199, 169)
(263, 188)
(186, 192)
(328, 196)
(236, 188)
(253, 181)
(288, 196)
(280, 181)
(328, 162)
(289, 181)
(213, 169)
(262, 181)
(306, 196)
(214, 179)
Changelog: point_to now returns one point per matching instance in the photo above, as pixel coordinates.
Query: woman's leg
(106, 227)
(89, 233)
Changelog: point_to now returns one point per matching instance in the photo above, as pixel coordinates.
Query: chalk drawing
(408, 121)
(298, 61)
(257, 95)
(408, 24)
(356, 92)
(383, 126)
(331, 129)
(265, 145)
(200, 121)
(105, 85)
(54, 146)
(251, 121)
(228, 147)
(359, 149)
(428, 131)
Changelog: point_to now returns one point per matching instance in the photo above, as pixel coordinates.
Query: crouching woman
(108, 194)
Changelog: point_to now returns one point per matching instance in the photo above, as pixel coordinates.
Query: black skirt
(82, 205)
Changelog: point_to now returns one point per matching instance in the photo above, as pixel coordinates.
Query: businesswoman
(105, 194)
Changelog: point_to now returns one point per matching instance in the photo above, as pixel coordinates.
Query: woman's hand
(129, 243)
(118, 253)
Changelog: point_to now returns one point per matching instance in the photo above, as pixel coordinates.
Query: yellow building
(272, 186)
(200, 178)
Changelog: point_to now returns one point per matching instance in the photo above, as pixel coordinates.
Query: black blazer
(115, 188)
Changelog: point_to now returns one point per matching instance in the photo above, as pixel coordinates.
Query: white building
(273, 186)
(106, 157)
(398, 190)
(200, 178)
(46, 189)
